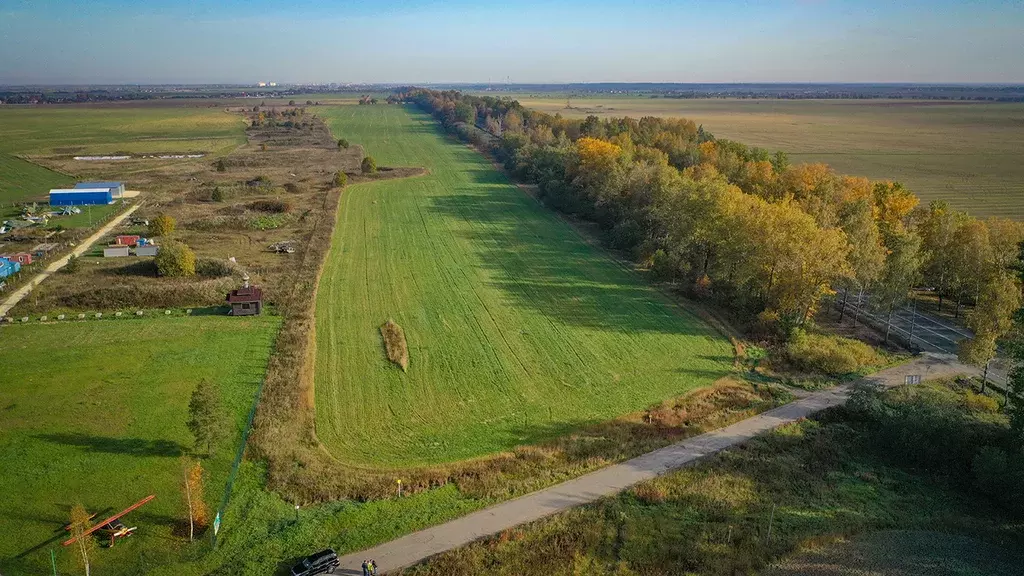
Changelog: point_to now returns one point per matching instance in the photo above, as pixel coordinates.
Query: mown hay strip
(394, 344)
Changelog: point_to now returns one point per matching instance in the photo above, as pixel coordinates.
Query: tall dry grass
(394, 344)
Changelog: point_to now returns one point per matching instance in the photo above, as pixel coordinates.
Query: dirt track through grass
(517, 330)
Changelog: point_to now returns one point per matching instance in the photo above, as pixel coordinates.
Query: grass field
(22, 180)
(84, 130)
(518, 331)
(94, 412)
(967, 153)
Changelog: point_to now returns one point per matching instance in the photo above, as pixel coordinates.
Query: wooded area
(740, 226)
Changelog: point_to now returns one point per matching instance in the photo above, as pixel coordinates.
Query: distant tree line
(737, 225)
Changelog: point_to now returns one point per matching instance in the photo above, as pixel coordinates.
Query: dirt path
(418, 546)
(59, 263)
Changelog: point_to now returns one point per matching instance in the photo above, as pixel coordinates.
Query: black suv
(318, 563)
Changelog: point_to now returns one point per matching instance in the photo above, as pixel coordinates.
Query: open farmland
(517, 329)
(94, 413)
(967, 153)
(22, 180)
(87, 130)
(50, 136)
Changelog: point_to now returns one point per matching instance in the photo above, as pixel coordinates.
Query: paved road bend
(418, 546)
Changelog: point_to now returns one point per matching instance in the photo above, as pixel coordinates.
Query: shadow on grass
(541, 264)
(145, 268)
(107, 445)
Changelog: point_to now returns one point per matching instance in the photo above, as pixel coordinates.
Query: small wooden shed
(245, 301)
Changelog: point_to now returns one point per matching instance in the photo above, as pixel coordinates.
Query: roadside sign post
(912, 379)
(296, 513)
(399, 488)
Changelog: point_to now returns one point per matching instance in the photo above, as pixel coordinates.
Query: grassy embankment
(967, 153)
(518, 331)
(94, 413)
(886, 485)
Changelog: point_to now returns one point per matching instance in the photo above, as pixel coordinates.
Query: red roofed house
(245, 301)
(22, 258)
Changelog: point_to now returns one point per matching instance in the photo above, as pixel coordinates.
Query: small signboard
(912, 379)
(216, 524)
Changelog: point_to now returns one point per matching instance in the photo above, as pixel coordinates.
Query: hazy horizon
(74, 42)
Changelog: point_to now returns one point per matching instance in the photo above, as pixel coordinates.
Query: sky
(527, 41)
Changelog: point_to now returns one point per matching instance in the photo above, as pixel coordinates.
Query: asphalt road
(928, 332)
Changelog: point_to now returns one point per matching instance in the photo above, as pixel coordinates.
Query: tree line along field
(966, 153)
(94, 412)
(518, 330)
(41, 133)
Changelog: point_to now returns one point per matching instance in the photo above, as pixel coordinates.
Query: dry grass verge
(394, 344)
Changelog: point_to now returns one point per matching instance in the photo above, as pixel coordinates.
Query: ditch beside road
(21, 292)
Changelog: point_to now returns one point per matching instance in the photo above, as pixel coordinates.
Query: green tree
(221, 167)
(206, 417)
(369, 165)
(175, 259)
(162, 225)
(342, 143)
(217, 195)
(991, 320)
(340, 179)
(73, 264)
(901, 271)
(867, 254)
(465, 112)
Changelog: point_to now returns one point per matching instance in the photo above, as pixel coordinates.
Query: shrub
(340, 180)
(292, 188)
(162, 225)
(271, 206)
(395, 345)
(73, 264)
(342, 143)
(221, 167)
(369, 165)
(217, 195)
(832, 355)
(214, 268)
(175, 259)
(980, 403)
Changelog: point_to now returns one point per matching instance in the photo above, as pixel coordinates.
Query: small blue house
(8, 267)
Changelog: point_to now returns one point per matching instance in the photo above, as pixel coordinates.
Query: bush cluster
(828, 354)
(271, 206)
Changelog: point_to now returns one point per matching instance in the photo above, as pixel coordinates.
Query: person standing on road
(366, 568)
(373, 568)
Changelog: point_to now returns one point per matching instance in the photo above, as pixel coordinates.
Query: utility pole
(913, 324)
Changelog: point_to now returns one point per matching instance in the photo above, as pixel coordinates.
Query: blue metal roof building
(81, 196)
(116, 188)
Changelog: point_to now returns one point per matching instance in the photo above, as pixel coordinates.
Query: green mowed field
(22, 180)
(967, 153)
(94, 412)
(518, 330)
(81, 130)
